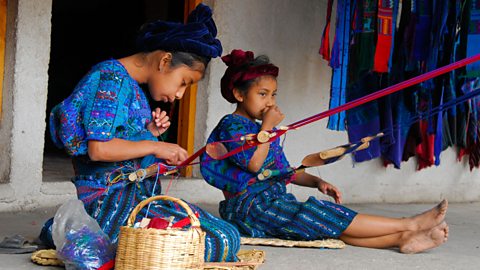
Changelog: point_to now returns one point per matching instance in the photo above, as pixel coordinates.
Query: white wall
(289, 32)
(6, 116)
(25, 94)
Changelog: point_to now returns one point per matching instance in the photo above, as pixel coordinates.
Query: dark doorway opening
(85, 33)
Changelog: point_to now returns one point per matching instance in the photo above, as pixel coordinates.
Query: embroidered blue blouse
(231, 174)
(106, 104)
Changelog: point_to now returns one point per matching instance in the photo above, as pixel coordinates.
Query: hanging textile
(421, 48)
(440, 12)
(472, 83)
(362, 46)
(473, 131)
(396, 114)
(379, 43)
(325, 44)
(450, 131)
(339, 64)
(457, 78)
(363, 119)
(473, 40)
(384, 35)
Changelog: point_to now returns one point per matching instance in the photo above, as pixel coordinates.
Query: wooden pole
(187, 109)
(3, 30)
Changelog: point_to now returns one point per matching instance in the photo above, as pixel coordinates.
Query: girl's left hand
(330, 190)
(160, 122)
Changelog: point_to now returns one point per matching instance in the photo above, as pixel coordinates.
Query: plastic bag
(80, 242)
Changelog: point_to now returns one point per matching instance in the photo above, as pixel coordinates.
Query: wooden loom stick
(148, 172)
(321, 158)
(341, 150)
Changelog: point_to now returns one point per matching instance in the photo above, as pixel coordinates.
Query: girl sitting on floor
(264, 208)
(108, 128)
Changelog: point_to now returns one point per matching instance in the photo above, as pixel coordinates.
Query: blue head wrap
(196, 36)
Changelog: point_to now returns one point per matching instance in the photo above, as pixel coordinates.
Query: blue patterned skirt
(111, 206)
(267, 210)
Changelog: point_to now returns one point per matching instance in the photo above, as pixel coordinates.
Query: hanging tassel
(325, 45)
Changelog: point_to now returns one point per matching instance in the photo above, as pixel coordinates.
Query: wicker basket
(156, 249)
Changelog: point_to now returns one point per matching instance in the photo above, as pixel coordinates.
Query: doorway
(85, 33)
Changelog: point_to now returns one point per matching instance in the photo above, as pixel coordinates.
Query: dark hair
(190, 60)
(243, 86)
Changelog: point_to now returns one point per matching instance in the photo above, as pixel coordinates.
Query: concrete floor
(462, 251)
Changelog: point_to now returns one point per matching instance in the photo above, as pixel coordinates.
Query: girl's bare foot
(419, 241)
(430, 218)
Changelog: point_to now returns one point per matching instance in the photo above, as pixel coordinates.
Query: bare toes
(442, 207)
(430, 218)
(424, 240)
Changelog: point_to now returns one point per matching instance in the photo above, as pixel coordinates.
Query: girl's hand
(160, 122)
(172, 153)
(330, 190)
(272, 117)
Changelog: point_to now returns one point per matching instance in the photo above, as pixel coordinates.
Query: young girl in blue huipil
(107, 126)
(263, 208)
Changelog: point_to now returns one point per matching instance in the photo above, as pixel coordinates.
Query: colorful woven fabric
(362, 46)
(108, 104)
(325, 44)
(385, 23)
(231, 175)
(473, 129)
(473, 46)
(339, 64)
(426, 35)
(396, 114)
(264, 208)
(272, 212)
(364, 120)
(421, 41)
(456, 120)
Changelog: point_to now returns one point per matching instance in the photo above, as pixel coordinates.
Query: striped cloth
(267, 210)
(111, 207)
